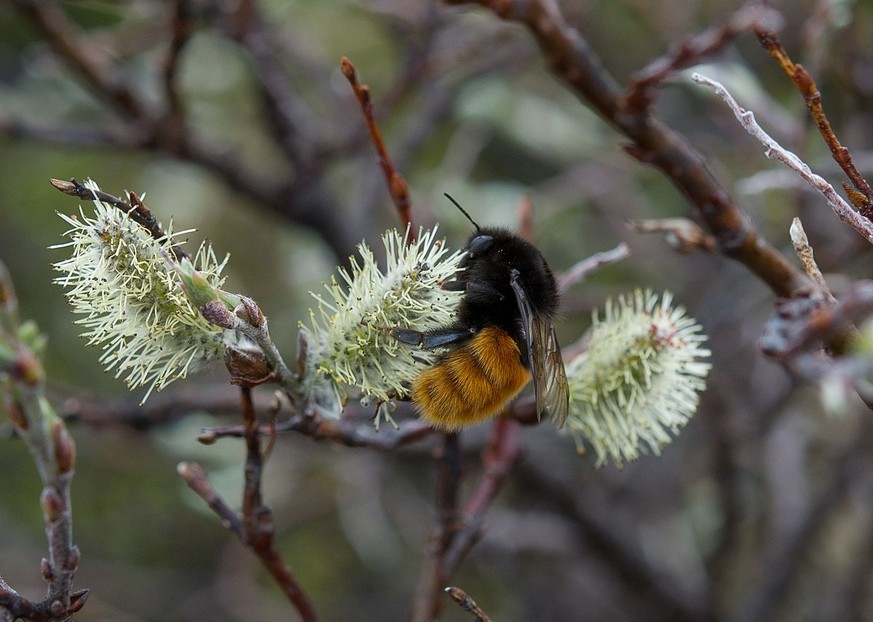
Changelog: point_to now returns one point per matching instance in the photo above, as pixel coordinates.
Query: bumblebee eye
(479, 244)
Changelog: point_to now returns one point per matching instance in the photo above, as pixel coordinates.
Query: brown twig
(427, 603)
(861, 194)
(197, 480)
(135, 207)
(283, 108)
(300, 197)
(579, 271)
(22, 388)
(652, 142)
(454, 535)
(645, 83)
(682, 235)
(803, 324)
(498, 458)
(258, 519)
(91, 61)
(397, 187)
(20, 608)
(345, 431)
(255, 526)
(181, 28)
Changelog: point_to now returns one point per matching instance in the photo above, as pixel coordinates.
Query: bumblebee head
(479, 244)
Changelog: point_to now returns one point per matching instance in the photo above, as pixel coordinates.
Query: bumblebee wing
(544, 357)
(550, 383)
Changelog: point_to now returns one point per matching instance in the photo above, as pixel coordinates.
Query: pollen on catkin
(131, 298)
(347, 341)
(640, 380)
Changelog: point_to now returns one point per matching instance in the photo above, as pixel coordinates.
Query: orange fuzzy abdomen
(472, 383)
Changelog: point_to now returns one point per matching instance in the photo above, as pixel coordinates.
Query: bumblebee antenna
(463, 211)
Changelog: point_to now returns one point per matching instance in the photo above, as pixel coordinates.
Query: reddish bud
(73, 557)
(256, 316)
(216, 313)
(348, 69)
(246, 367)
(46, 570)
(398, 187)
(16, 415)
(67, 187)
(860, 200)
(78, 600)
(27, 368)
(52, 504)
(65, 448)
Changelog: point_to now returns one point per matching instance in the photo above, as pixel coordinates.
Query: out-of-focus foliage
(760, 486)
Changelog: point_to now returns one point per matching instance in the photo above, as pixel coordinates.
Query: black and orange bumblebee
(502, 337)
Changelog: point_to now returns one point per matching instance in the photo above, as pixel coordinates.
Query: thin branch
(258, 519)
(652, 142)
(775, 151)
(181, 29)
(135, 207)
(862, 194)
(255, 526)
(805, 254)
(681, 234)
(91, 61)
(397, 187)
(427, 603)
(53, 452)
(498, 458)
(197, 480)
(454, 534)
(283, 109)
(345, 431)
(580, 271)
(645, 83)
(160, 409)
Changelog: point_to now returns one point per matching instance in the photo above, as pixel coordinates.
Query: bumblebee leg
(432, 339)
(479, 288)
(453, 286)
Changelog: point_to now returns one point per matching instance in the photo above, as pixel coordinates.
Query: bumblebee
(503, 336)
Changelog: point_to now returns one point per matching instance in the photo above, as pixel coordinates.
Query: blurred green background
(467, 107)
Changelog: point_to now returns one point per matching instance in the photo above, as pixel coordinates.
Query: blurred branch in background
(22, 383)
(254, 527)
(759, 480)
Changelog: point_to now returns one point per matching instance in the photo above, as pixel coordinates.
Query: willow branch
(862, 194)
(775, 151)
(397, 187)
(427, 603)
(652, 142)
(54, 453)
(644, 84)
(254, 527)
(91, 61)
